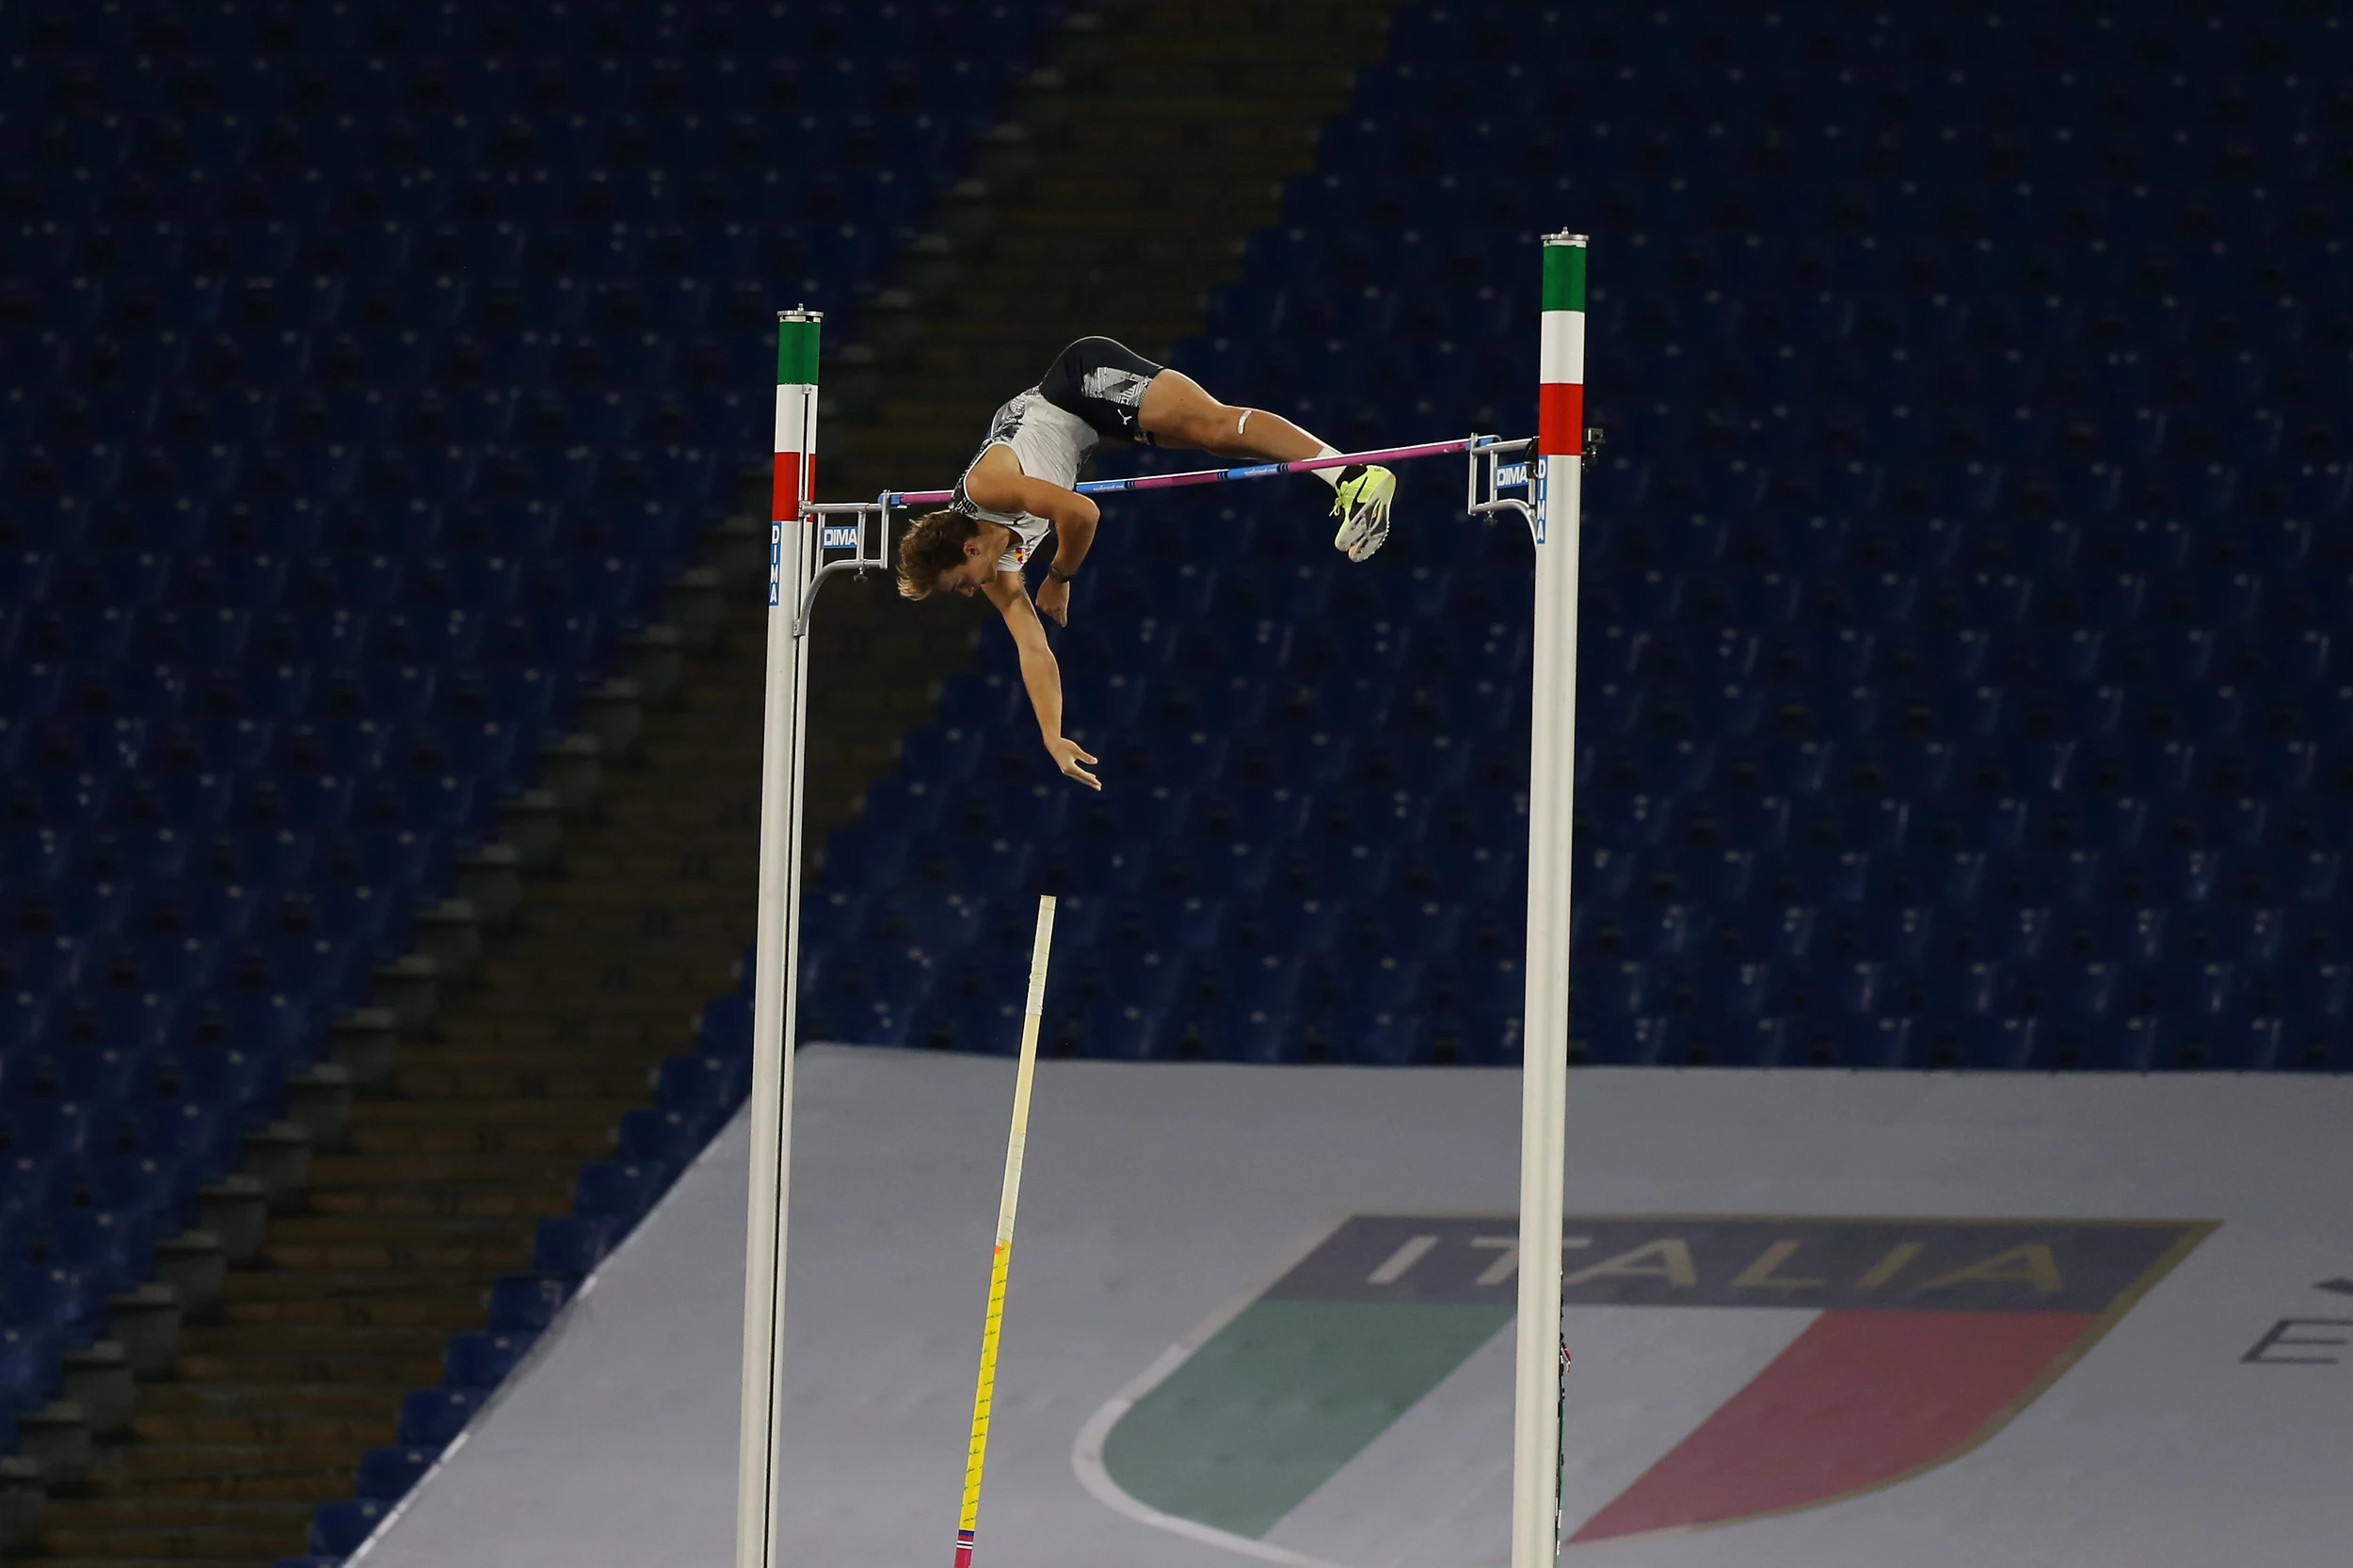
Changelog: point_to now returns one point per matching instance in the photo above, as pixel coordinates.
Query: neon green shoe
(1362, 504)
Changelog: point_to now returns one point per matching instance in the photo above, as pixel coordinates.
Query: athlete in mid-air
(1020, 484)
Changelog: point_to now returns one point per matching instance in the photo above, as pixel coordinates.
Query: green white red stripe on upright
(1561, 357)
(796, 425)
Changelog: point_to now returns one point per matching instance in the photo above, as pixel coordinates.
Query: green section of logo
(1279, 1400)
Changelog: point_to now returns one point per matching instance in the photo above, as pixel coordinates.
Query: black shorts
(1102, 383)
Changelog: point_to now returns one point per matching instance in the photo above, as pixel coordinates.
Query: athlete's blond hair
(932, 544)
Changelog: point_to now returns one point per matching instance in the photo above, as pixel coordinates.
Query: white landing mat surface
(1264, 1315)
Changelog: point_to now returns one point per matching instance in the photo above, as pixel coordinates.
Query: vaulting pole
(777, 949)
(1554, 486)
(1001, 1264)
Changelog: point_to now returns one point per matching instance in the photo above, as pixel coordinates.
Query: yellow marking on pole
(984, 1394)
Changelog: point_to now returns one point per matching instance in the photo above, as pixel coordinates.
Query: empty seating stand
(1963, 583)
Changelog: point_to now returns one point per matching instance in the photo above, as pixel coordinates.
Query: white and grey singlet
(1050, 443)
(1093, 392)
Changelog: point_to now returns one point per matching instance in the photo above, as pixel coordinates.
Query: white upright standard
(1554, 491)
(777, 949)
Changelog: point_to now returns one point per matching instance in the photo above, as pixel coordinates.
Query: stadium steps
(360, 1302)
(320, 1356)
(231, 1470)
(404, 1245)
(231, 1529)
(442, 1178)
(506, 1198)
(464, 1080)
(491, 1127)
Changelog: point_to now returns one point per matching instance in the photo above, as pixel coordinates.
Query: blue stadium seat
(1616, 821)
(1980, 822)
(1853, 1041)
(615, 1190)
(31, 1373)
(1987, 1043)
(2295, 875)
(2200, 991)
(1643, 932)
(388, 1473)
(2075, 988)
(1236, 1031)
(1384, 1039)
(1269, 984)
(2005, 935)
(43, 965)
(432, 1417)
(648, 1136)
(574, 1244)
(2236, 1044)
(1866, 823)
(1743, 991)
(1746, 1040)
(526, 1302)
(1117, 1028)
(703, 1088)
(1819, 878)
(2251, 936)
(54, 1299)
(1764, 932)
(2117, 1045)
(1605, 991)
(340, 1529)
(865, 856)
(2316, 991)
(482, 1360)
(115, 1249)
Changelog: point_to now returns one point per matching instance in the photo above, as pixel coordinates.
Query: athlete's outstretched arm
(1040, 674)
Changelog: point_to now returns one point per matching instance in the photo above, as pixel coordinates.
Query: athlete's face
(981, 555)
(970, 578)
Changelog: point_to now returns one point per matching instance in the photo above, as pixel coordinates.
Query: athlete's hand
(1053, 600)
(1067, 755)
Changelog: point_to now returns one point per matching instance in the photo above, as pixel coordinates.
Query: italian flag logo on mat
(1728, 1369)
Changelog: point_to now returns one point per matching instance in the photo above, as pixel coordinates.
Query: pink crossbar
(1221, 475)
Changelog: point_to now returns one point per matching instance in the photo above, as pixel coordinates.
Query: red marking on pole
(1561, 419)
(1859, 1399)
(784, 502)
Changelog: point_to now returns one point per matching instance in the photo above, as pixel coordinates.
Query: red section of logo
(1857, 1401)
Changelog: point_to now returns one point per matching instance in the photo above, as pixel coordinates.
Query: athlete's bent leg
(1177, 412)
